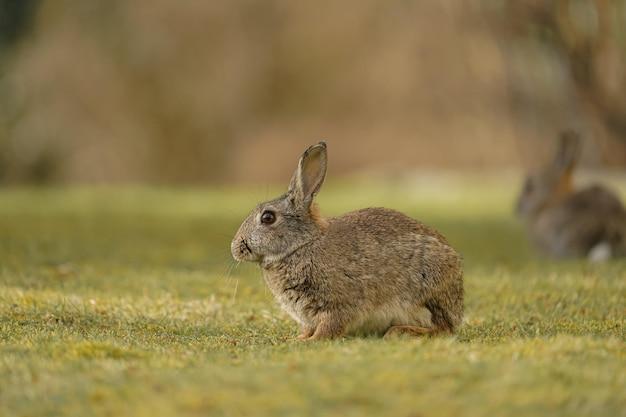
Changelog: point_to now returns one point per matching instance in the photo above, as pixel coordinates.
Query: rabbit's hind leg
(409, 331)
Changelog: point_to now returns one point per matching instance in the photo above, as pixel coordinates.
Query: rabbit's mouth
(245, 245)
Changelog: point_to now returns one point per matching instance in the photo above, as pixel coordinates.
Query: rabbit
(565, 223)
(373, 271)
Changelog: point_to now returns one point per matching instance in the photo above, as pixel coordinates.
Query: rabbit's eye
(268, 217)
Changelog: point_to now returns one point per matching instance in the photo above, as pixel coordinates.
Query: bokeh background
(136, 135)
(165, 92)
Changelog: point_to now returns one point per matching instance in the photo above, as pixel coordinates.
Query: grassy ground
(125, 302)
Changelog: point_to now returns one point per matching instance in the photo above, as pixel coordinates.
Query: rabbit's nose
(240, 249)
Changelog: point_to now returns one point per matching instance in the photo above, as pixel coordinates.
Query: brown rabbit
(563, 222)
(370, 271)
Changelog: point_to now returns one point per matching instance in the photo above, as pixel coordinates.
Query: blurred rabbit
(563, 222)
(369, 271)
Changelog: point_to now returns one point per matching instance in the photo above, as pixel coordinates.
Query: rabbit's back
(383, 240)
(596, 199)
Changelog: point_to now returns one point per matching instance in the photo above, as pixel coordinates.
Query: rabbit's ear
(568, 151)
(309, 176)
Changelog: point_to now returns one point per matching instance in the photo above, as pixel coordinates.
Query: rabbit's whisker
(235, 290)
(229, 271)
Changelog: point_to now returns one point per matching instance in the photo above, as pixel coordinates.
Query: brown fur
(316, 216)
(565, 222)
(367, 271)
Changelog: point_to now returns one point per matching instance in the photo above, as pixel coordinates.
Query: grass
(124, 301)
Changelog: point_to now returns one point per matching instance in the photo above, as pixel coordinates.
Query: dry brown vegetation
(229, 91)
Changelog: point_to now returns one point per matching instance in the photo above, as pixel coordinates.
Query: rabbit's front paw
(329, 327)
(305, 332)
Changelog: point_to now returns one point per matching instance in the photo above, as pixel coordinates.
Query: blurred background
(227, 92)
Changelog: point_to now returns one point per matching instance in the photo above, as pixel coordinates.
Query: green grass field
(125, 301)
